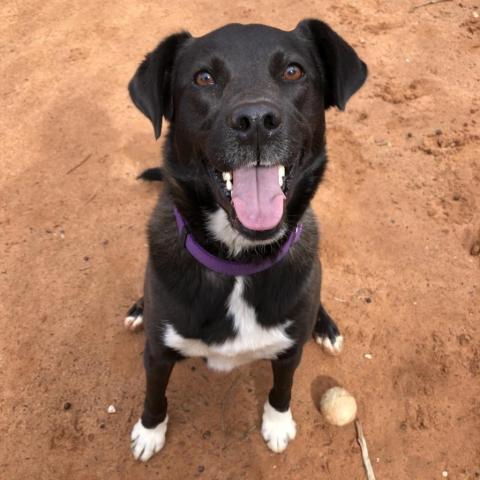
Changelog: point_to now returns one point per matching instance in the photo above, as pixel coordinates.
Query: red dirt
(400, 217)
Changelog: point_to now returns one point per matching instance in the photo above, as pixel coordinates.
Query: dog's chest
(252, 341)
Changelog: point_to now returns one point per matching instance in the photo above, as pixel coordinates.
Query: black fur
(247, 62)
(154, 174)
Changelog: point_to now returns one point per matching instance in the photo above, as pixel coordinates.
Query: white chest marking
(251, 342)
(221, 229)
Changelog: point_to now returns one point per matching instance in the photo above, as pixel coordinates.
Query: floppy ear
(345, 73)
(150, 87)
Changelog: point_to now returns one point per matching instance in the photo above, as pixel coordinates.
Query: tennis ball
(338, 406)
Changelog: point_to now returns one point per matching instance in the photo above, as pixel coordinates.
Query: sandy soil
(400, 217)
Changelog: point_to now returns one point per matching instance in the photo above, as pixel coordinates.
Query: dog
(233, 274)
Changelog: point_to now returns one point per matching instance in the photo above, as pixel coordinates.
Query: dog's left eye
(293, 72)
(203, 79)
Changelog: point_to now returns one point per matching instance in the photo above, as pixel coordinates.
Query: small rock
(445, 474)
(86, 258)
(475, 250)
(464, 339)
(206, 435)
(67, 406)
(368, 300)
(111, 409)
(200, 469)
(456, 197)
(368, 356)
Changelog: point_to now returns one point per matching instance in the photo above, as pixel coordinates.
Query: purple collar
(228, 267)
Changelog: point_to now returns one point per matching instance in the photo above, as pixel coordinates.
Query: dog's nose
(250, 119)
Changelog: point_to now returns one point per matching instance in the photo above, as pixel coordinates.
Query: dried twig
(426, 4)
(363, 446)
(91, 198)
(79, 164)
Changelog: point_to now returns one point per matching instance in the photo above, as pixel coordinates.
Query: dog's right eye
(203, 79)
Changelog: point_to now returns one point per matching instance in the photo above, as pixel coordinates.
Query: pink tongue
(257, 197)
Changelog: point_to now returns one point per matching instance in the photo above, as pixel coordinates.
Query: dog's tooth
(281, 174)
(227, 176)
(229, 185)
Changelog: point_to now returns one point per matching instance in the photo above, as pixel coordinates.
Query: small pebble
(444, 474)
(200, 469)
(368, 300)
(475, 250)
(111, 409)
(368, 356)
(67, 406)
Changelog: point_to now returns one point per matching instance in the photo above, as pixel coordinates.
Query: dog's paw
(278, 428)
(332, 344)
(146, 442)
(133, 323)
(327, 334)
(134, 318)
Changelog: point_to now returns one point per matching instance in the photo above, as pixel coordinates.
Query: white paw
(332, 348)
(278, 428)
(133, 323)
(146, 442)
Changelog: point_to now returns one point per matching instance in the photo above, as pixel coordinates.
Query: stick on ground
(426, 4)
(363, 446)
(79, 164)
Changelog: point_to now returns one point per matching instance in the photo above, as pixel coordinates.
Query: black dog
(233, 274)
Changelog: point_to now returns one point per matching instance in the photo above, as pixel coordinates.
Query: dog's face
(247, 104)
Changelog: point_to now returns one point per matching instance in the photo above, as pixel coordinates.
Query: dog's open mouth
(257, 194)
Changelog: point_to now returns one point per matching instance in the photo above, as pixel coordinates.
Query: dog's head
(246, 105)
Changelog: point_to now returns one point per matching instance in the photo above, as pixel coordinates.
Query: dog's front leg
(148, 434)
(278, 427)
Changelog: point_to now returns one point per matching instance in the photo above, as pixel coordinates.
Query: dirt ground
(400, 220)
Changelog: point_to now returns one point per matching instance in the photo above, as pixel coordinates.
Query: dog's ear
(344, 71)
(150, 87)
